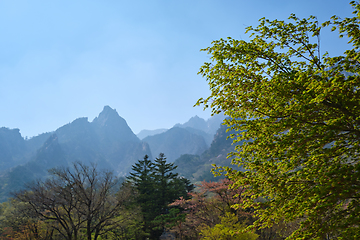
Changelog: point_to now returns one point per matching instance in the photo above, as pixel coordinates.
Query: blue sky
(60, 60)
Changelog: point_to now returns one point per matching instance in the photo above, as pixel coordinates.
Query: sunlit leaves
(299, 111)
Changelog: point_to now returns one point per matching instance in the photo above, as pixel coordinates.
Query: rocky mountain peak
(197, 123)
(108, 115)
(110, 123)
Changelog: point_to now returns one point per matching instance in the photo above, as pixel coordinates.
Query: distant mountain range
(198, 167)
(107, 141)
(144, 133)
(176, 141)
(192, 137)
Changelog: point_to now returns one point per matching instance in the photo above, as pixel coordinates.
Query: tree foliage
(229, 229)
(17, 221)
(157, 187)
(206, 206)
(297, 114)
(76, 200)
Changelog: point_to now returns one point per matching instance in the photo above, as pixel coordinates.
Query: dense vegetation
(86, 203)
(297, 115)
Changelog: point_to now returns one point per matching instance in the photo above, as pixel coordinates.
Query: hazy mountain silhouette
(209, 126)
(206, 129)
(106, 141)
(50, 155)
(12, 148)
(198, 167)
(144, 133)
(194, 122)
(15, 150)
(176, 141)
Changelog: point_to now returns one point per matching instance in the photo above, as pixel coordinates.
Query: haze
(60, 60)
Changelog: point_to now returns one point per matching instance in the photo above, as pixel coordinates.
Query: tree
(157, 187)
(298, 115)
(130, 220)
(208, 204)
(169, 186)
(164, 180)
(17, 221)
(142, 179)
(229, 229)
(76, 199)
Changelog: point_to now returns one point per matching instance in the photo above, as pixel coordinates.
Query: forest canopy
(297, 115)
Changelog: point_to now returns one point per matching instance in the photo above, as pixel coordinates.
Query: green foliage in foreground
(298, 115)
(229, 228)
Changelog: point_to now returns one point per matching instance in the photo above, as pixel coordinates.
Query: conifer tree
(157, 187)
(142, 178)
(165, 180)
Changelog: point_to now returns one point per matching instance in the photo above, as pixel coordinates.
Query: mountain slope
(198, 167)
(107, 141)
(209, 126)
(12, 148)
(176, 141)
(48, 156)
(144, 133)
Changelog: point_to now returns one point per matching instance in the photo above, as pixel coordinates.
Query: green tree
(18, 221)
(165, 181)
(143, 180)
(130, 222)
(157, 187)
(298, 115)
(229, 229)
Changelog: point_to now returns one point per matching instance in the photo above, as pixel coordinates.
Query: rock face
(12, 148)
(206, 129)
(111, 127)
(107, 141)
(198, 167)
(176, 141)
(209, 126)
(195, 122)
(50, 155)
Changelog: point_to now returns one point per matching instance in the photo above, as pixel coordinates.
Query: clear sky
(60, 60)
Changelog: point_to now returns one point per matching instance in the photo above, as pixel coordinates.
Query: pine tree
(165, 179)
(157, 187)
(142, 178)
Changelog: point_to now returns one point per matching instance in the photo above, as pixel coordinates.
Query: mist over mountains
(107, 141)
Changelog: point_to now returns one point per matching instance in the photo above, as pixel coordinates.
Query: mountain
(144, 133)
(107, 141)
(111, 127)
(214, 123)
(50, 155)
(194, 122)
(198, 167)
(206, 129)
(209, 126)
(176, 141)
(191, 137)
(12, 148)
(15, 150)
